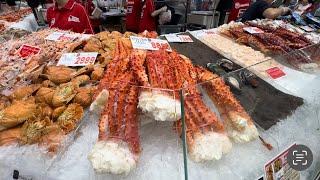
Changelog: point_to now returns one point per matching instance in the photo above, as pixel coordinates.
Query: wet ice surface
(162, 158)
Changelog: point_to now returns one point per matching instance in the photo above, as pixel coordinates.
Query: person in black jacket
(308, 1)
(223, 7)
(34, 4)
(262, 9)
(11, 3)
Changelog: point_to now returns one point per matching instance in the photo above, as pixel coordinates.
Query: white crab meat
(2, 128)
(247, 133)
(209, 146)
(112, 157)
(161, 107)
(100, 101)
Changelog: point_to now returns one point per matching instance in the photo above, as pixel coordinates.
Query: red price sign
(27, 50)
(275, 72)
(77, 59)
(158, 45)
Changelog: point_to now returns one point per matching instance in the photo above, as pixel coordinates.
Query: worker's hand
(157, 12)
(285, 10)
(304, 2)
(164, 9)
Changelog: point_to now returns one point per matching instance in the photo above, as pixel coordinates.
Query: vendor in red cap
(69, 15)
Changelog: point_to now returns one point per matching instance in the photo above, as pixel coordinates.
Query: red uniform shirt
(239, 7)
(89, 6)
(133, 15)
(147, 22)
(72, 17)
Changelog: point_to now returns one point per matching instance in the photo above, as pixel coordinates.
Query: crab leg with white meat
(238, 123)
(206, 137)
(118, 146)
(161, 99)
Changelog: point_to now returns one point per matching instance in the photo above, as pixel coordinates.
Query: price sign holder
(210, 31)
(178, 38)
(185, 38)
(149, 44)
(307, 28)
(28, 50)
(275, 72)
(59, 36)
(278, 167)
(253, 30)
(77, 59)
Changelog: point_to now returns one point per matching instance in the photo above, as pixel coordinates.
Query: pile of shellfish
(51, 101)
(52, 107)
(14, 16)
(40, 102)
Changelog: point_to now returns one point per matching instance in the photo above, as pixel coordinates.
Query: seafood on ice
(241, 54)
(44, 113)
(15, 16)
(52, 98)
(274, 39)
(162, 98)
(118, 147)
(238, 123)
(21, 71)
(131, 80)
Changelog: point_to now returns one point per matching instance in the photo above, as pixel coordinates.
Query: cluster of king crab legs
(136, 79)
(279, 40)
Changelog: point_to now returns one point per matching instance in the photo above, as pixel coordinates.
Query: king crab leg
(118, 147)
(205, 133)
(161, 100)
(239, 125)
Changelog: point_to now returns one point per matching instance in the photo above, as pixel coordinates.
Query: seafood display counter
(137, 114)
(258, 132)
(284, 110)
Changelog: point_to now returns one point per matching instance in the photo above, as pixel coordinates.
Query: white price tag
(85, 36)
(210, 31)
(253, 30)
(178, 38)
(78, 59)
(185, 38)
(204, 32)
(172, 38)
(149, 44)
(58, 36)
(307, 28)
